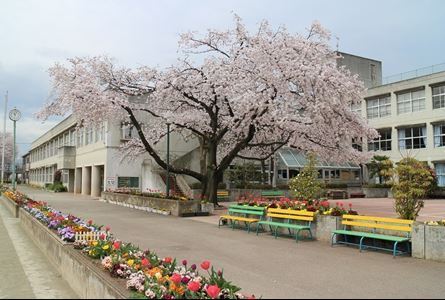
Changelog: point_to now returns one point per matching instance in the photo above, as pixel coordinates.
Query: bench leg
(276, 232)
(258, 228)
(296, 235)
(408, 245)
(394, 253)
(219, 223)
(310, 234)
(248, 227)
(332, 239)
(361, 243)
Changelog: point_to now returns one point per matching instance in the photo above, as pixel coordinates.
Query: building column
(95, 181)
(86, 180)
(78, 181)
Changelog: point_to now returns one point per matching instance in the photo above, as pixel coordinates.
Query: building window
(439, 135)
(357, 144)
(128, 131)
(412, 138)
(379, 107)
(80, 138)
(383, 142)
(439, 96)
(411, 102)
(440, 173)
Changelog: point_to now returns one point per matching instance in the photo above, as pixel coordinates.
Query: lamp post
(14, 115)
(168, 161)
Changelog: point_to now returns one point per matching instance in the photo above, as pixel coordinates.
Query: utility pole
(4, 137)
(14, 115)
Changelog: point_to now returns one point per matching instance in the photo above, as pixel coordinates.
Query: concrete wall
(175, 207)
(369, 70)
(376, 192)
(11, 206)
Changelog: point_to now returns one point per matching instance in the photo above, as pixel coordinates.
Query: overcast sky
(404, 35)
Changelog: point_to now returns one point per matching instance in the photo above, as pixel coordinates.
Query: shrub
(382, 167)
(306, 184)
(414, 181)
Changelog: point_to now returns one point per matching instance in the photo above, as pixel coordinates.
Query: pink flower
(107, 228)
(213, 291)
(205, 265)
(194, 286)
(176, 278)
(145, 262)
(90, 222)
(168, 260)
(102, 237)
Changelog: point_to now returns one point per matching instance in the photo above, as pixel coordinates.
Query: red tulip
(176, 278)
(116, 245)
(194, 286)
(205, 265)
(145, 262)
(107, 228)
(102, 237)
(168, 260)
(90, 222)
(213, 291)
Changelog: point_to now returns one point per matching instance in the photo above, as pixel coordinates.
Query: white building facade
(90, 160)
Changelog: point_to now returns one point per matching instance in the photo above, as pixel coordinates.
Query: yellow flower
(158, 275)
(130, 262)
(106, 247)
(95, 243)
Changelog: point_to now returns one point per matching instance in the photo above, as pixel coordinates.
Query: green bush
(414, 181)
(306, 184)
(56, 187)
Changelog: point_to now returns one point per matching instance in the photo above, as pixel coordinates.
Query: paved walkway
(25, 272)
(262, 265)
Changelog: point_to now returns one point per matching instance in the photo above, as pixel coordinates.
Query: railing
(414, 73)
(90, 236)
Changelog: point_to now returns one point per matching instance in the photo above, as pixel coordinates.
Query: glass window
(439, 96)
(383, 142)
(440, 173)
(412, 138)
(439, 135)
(411, 102)
(128, 131)
(379, 107)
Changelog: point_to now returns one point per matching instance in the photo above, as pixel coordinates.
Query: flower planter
(87, 279)
(11, 206)
(207, 208)
(158, 205)
(429, 242)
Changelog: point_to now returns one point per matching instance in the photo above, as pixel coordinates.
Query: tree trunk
(212, 175)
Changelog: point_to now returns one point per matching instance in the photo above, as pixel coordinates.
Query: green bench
(222, 195)
(403, 227)
(282, 218)
(272, 194)
(243, 213)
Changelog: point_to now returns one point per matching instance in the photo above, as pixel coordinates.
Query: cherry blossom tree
(242, 94)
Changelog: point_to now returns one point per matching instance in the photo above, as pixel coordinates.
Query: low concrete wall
(85, 277)
(11, 206)
(175, 207)
(429, 242)
(376, 192)
(324, 226)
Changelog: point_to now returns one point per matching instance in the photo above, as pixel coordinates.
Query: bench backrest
(290, 214)
(374, 223)
(222, 193)
(274, 194)
(246, 210)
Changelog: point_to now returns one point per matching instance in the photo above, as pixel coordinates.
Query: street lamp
(168, 161)
(14, 115)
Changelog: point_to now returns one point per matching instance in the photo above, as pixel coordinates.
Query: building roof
(294, 159)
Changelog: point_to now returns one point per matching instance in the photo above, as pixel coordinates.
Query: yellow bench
(286, 218)
(222, 195)
(401, 226)
(241, 213)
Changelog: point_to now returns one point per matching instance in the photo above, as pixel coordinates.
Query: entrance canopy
(293, 159)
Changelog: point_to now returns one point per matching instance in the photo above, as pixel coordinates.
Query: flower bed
(322, 207)
(148, 193)
(147, 275)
